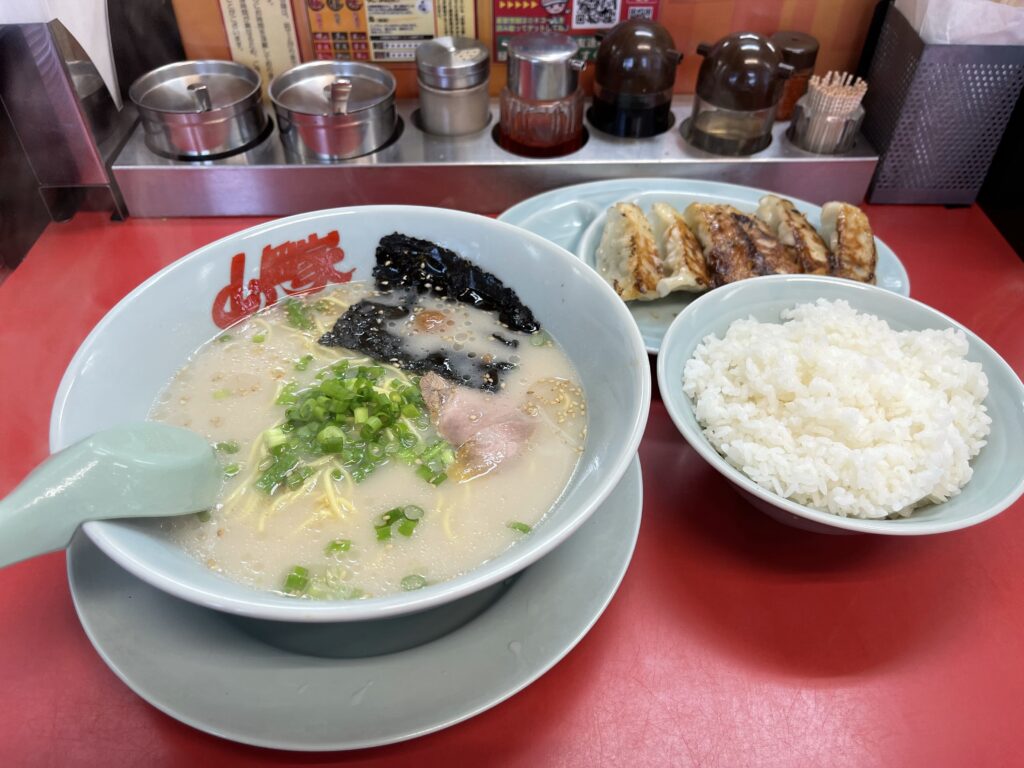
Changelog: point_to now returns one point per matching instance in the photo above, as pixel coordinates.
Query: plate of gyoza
(660, 243)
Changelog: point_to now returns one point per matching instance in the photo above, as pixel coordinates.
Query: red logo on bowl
(296, 267)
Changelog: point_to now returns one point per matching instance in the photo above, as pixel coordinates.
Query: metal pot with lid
(738, 87)
(200, 109)
(334, 110)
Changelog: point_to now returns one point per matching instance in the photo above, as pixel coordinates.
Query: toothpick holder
(823, 133)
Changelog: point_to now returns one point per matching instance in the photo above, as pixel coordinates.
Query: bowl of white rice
(838, 407)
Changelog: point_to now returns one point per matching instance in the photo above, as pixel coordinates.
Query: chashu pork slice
(487, 430)
(682, 258)
(796, 233)
(846, 230)
(627, 256)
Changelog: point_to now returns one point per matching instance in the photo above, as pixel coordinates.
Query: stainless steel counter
(471, 173)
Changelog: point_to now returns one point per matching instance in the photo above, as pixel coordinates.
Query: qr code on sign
(595, 14)
(640, 13)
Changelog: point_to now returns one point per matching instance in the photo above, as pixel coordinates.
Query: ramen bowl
(142, 342)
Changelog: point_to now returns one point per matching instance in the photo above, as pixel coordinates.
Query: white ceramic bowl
(135, 350)
(998, 478)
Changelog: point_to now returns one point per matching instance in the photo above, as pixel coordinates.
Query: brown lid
(636, 62)
(742, 71)
(798, 48)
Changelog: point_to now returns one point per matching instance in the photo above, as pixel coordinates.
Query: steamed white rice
(835, 410)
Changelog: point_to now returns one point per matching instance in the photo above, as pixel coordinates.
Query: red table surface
(733, 640)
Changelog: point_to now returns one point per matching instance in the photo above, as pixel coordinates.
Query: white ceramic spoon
(141, 470)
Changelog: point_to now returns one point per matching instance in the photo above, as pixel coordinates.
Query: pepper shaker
(800, 51)
(452, 73)
(542, 105)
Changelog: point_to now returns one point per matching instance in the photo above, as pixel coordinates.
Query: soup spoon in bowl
(139, 470)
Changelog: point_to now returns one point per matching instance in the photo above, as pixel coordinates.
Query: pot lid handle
(337, 94)
(201, 97)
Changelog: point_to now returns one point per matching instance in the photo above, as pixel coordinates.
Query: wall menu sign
(384, 30)
(583, 19)
(261, 35)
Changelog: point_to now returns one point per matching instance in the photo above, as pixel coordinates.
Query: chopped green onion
(540, 339)
(303, 362)
(338, 545)
(231, 470)
(259, 338)
(203, 516)
(337, 474)
(297, 581)
(359, 415)
(405, 519)
(274, 437)
(298, 315)
(515, 525)
(220, 394)
(331, 438)
(413, 582)
(287, 395)
(229, 446)
(224, 337)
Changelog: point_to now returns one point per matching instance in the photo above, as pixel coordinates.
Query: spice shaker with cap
(800, 51)
(542, 105)
(452, 73)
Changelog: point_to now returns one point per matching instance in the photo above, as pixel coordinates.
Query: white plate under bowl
(199, 667)
(574, 217)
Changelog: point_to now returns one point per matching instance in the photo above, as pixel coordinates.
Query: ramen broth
(341, 531)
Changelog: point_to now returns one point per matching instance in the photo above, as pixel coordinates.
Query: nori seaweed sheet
(363, 327)
(407, 262)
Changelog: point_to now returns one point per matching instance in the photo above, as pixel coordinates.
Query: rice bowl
(996, 474)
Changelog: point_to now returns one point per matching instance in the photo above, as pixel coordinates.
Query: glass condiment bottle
(800, 51)
(738, 88)
(636, 71)
(542, 105)
(452, 74)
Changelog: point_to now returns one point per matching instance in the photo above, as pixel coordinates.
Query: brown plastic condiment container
(636, 70)
(738, 90)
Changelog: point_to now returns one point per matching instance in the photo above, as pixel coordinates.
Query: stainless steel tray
(470, 172)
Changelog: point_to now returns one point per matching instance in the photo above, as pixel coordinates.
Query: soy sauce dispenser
(738, 87)
(635, 74)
